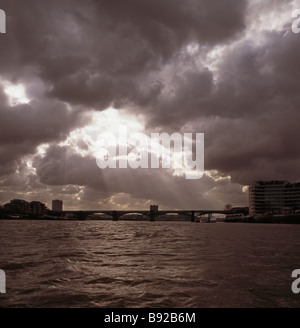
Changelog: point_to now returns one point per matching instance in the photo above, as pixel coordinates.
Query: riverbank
(269, 219)
(281, 219)
(275, 219)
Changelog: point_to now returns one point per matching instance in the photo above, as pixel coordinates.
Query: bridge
(116, 215)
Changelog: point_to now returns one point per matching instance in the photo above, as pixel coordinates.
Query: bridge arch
(132, 216)
(102, 214)
(173, 215)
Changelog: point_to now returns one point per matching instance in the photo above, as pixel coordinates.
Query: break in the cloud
(225, 68)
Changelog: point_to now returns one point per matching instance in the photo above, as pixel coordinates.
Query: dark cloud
(257, 119)
(216, 67)
(97, 52)
(26, 126)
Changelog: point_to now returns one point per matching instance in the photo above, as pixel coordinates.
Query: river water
(148, 264)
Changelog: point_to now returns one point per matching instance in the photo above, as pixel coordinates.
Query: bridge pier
(209, 217)
(115, 216)
(152, 216)
(193, 216)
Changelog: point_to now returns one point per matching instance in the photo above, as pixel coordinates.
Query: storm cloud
(227, 69)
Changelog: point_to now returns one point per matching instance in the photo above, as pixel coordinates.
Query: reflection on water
(148, 264)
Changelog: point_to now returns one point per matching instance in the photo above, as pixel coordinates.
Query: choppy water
(148, 264)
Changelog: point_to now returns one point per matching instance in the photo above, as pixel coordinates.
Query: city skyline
(265, 197)
(228, 71)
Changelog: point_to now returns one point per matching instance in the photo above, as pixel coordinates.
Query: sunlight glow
(120, 130)
(16, 93)
(42, 149)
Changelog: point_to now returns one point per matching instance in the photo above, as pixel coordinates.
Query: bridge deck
(146, 212)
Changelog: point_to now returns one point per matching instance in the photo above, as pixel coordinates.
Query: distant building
(154, 208)
(37, 208)
(277, 197)
(20, 206)
(57, 205)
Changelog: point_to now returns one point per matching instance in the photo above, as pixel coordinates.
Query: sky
(71, 70)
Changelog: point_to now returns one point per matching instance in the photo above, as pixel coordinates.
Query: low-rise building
(20, 206)
(37, 208)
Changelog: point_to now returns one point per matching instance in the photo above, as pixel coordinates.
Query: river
(148, 264)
